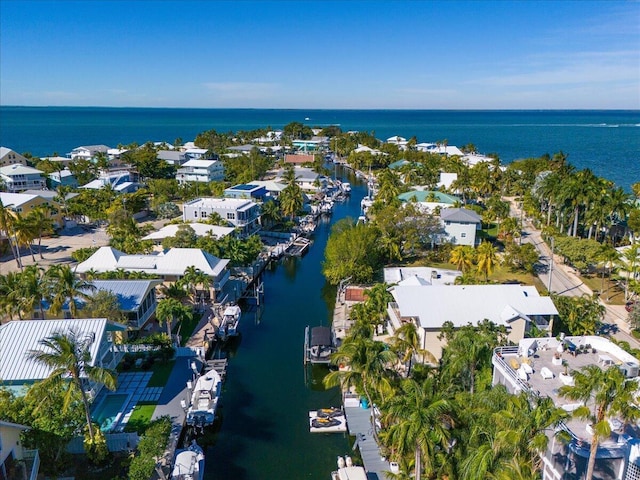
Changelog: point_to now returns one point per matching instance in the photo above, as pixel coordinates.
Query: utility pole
(551, 264)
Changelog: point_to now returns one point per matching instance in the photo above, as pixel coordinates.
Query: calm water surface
(266, 400)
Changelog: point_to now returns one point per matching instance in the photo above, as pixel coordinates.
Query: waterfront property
(246, 191)
(17, 338)
(200, 230)
(199, 170)
(18, 178)
(540, 366)
(121, 181)
(9, 157)
(242, 214)
(15, 460)
(169, 266)
(420, 276)
(429, 200)
(87, 152)
(136, 298)
(515, 307)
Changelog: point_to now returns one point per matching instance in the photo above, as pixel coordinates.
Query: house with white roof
(306, 178)
(365, 149)
(87, 152)
(420, 276)
(272, 187)
(429, 306)
(18, 337)
(241, 213)
(169, 266)
(18, 177)
(9, 157)
(200, 230)
(15, 460)
(270, 137)
(200, 171)
(428, 201)
(461, 225)
(172, 157)
(539, 367)
(62, 178)
(24, 203)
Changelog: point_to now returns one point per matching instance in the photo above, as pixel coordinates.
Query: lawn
(140, 417)
(611, 290)
(187, 326)
(161, 372)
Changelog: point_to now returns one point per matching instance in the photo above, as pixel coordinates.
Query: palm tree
(40, 216)
(462, 257)
(270, 213)
(291, 195)
(67, 287)
(24, 232)
(420, 419)
(407, 341)
(34, 289)
(7, 222)
(368, 363)
(609, 394)
(487, 258)
(168, 311)
(10, 294)
(69, 358)
(194, 277)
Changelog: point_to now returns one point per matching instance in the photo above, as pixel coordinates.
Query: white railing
(32, 462)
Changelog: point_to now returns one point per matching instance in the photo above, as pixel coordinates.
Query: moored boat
(320, 343)
(204, 400)
(229, 322)
(348, 471)
(188, 463)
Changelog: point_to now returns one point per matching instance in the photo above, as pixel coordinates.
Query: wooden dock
(219, 365)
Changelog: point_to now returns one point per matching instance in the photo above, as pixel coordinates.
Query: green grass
(188, 326)
(161, 372)
(140, 418)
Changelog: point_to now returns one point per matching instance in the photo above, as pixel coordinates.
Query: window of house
(195, 214)
(231, 216)
(463, 235)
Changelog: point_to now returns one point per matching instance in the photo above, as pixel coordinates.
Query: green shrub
(151, 446)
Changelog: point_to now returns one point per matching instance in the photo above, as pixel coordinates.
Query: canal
(264, 430)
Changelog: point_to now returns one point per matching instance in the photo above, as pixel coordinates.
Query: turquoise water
(107, 411)
(608, 142)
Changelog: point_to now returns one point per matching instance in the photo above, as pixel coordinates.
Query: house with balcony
(24, 203)
(172, 157)
(429, 305)
(539, 367)
(87, 152)
(242, 214)
(168, 266)
(18, 337)
(121, 181)
(246, 191)
(18, 178)
(15, 460)
(200, 171)
(9, 157)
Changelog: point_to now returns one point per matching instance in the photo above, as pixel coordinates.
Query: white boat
(229, 322)
(365, 203)
(188, 464)
(319, 344)
(346, 187)
(348, 471)
(204, 400)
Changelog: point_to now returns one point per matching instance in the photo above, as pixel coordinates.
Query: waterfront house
(242, 214)
(420, 276)
(9, 157)
(87, 152)
(18, 178)
(401, 142)
(298, 158)
(121, 181)
(306, 178)
(199, 229)
(270, 137)
(429, 201)
(461, 225)
(539, 367)
(428, 306)
(168, 266)
(15, 461)
(200, 171)
(272, 187)
(18, 337)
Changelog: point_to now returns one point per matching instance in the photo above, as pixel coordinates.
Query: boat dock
(360, 426)
(217, 364)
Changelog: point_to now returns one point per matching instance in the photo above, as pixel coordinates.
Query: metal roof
(460, 215)
(130, 293)
(18, 337)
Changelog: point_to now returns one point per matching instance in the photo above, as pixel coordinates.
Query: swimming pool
(108, 412)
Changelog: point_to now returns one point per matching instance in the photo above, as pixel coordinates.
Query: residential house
(200, 171)
(17, 338)
(272, 187)
(169, 266)
(429, 201)
(87, 152)
(18, 178)
(307, 179)
(200, 230)
(57, 160)
(9, 157)
(15, 461)
(539, 367)
(24, 203)
(248, 192)
(313, 144)
(195, 153)
(172, 157)
(137, 298)
(429, 306)
(401, 142)
(365, 149)
(121, 181)
(242, 214)
(420, 276)
(298, 158)
(461, 225)
(62, 178)
(270, 137)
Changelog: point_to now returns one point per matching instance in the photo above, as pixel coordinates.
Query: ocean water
(607, 142)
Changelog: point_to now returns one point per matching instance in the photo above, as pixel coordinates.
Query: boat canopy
(320, 336)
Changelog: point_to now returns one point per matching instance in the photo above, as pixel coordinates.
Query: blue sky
(325, 54)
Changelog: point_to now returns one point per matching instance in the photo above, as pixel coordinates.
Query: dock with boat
(298, 247)
(319, 345)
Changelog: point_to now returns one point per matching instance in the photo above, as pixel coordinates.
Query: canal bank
(264, 429)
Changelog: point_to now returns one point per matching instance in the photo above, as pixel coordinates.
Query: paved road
(565, 281)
